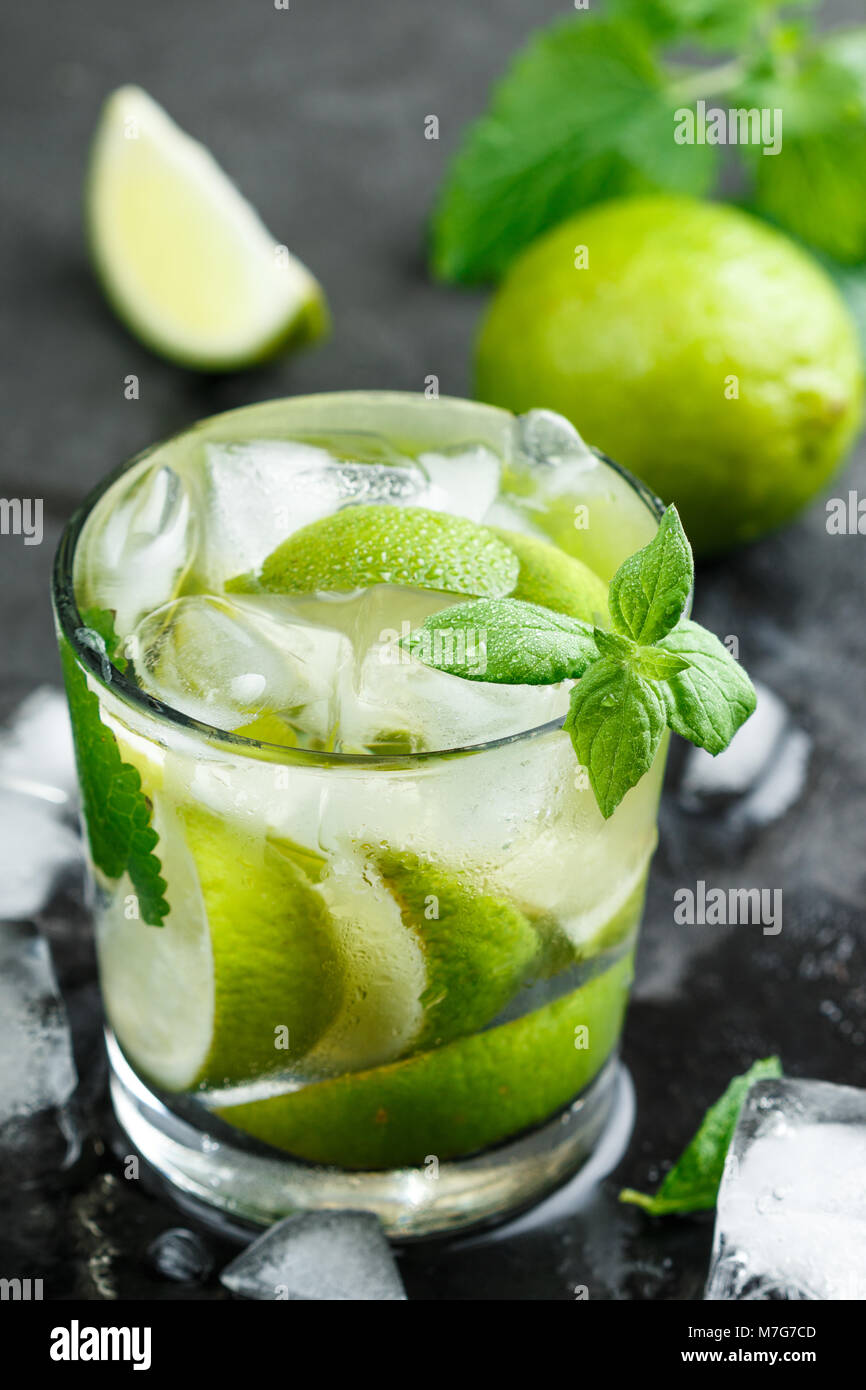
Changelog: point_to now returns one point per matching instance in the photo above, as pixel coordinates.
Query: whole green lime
(692, 343)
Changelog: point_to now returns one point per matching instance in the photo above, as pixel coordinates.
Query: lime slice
(373, 544)
(456, 1100)
(183, 257)
(476, 948)
(245, 951)
(555, 580)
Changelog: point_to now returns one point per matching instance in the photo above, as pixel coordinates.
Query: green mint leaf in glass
(708, 700)
(101, 622)
(692, 1184)
(649, 591)
(582, 115)
(615, 721)
(506, 641)
(116, 811)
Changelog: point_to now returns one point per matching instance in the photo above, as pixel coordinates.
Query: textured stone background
(318, 112)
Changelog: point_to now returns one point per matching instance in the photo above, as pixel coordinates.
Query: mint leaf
(101, 622)
(693, 1182)
(116, 812)
(651, 662)
(651, 588)
(816, 186)
(504, 640)
(582, 115)
(615, 720)
(658, 665)
(709, 700)
(708, 24)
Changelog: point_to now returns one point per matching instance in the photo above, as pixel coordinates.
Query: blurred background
(318, 113)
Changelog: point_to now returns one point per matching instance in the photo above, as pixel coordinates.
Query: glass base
(245, 1187)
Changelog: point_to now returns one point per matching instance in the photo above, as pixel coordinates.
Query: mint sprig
(116, 811)
(655, 668)
(692, 1184)
(586, 113)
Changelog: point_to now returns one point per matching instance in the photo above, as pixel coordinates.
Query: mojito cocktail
(365, 936)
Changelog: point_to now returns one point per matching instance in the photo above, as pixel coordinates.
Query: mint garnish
(693, 1182)
(655, 668)
(587, 112)
(116, 811)
(504, 640)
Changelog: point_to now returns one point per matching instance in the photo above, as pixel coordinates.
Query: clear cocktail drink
(364, 936)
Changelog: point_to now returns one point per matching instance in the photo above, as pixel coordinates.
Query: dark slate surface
(319, 113)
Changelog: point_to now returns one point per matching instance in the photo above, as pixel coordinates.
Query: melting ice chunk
(465, 480)
(137, 555)
(37, 1073)
(228, 661)
(759, 776)
(544, 437)
(323, 1255)
(791, 1216)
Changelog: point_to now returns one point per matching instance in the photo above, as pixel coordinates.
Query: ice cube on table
(791, 1212)
(37, 1072)
(319, 1256)
(36, 752)
(759, 775)
(465, 480)
(35, 847)
(227, 661)
(138, 552)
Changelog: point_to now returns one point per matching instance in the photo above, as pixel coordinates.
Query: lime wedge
(242, 978)
(555, 580)
(477, 948)
(185, 260)
(373, 544)
(455, 1100)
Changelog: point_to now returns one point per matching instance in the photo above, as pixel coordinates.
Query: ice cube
(465, 480)
(35, 847)
(791, 1215)
(544, 437)
(36, 752)
(253, 501)
(139, 551)
(227, 661)
(181, 1256)
(321, 1255)
(37, 1072)
(259, 492)
(758, 776)
(396, 695)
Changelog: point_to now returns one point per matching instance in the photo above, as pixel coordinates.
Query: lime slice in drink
(425, 956)
(183, 257)
(366, 545)
(457, 1099)
(555, 580)
(477, 948)
(242, 978)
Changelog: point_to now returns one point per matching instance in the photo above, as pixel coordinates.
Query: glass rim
(127, 692)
